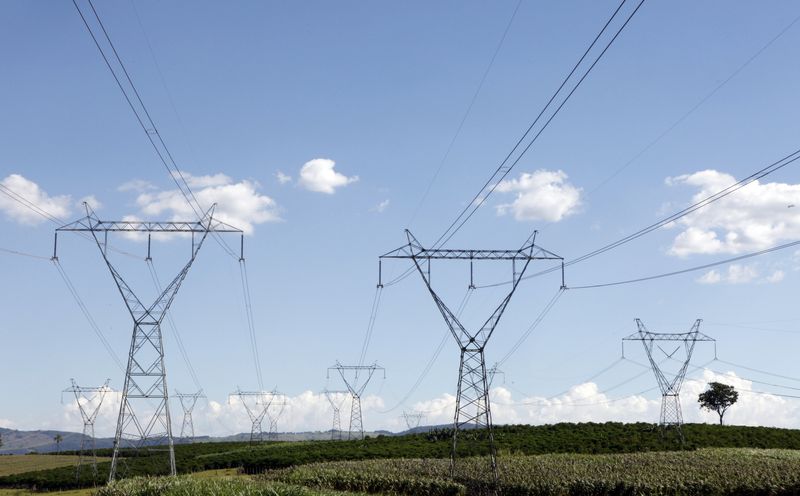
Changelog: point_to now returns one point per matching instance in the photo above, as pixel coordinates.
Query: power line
(695, 107)
(691, 269)
(23, 254)
(466, 113)
(533, 326)
(248, 306)
(503, 169)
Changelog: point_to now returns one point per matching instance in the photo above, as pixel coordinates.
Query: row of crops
(188, 486)
(588, 438)
(723, 471)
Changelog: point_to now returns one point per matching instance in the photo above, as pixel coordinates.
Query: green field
(720, 471)
(629, 445)
(19, 464)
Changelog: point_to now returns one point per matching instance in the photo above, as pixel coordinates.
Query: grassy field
(19, 464)
(721, 472)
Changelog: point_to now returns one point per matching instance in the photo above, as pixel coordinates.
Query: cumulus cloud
(756, 217)
(283, 178)
(238, 203)
(776, 277)
(138, 185)
(541, 195)
(90, 200)
(380, 207)
(25, 190)
(319, 175)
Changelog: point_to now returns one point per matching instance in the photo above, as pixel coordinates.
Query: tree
(718, 398)
(58, 438)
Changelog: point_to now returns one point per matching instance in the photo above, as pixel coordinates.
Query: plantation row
(719, 471)
(586, 438)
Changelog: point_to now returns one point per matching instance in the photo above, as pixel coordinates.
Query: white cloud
(380, 207)
(90, 200)
(753, 218)
(775, 277)
(735, 274)
(283, 178)
(541, 195)
(138, 185)
(57, 206)
(319, 175)
(710, 277)
(238, 203)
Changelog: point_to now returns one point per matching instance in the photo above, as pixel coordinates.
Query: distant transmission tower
(255, 404)
(336, 399)
(671, 415)
(188, 402)
(356, 385)
(144, 418)
(276, 405)
(89, 401)
(472, 399)
(494, 371)
(413, 419)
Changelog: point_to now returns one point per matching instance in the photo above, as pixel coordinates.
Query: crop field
(218, 486)
(19, 464)
(724, 471)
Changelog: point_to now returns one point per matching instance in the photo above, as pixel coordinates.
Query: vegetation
(19, 464)
(189, 486)
(706, 471)
(718, 398)
(586, 438)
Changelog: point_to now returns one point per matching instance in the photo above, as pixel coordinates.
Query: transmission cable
(533, 326)
(251, 322)
(174, 328)
(759, 371)
(503, 169)
(23, 254)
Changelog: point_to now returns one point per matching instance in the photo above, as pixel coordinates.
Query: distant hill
(17, 442)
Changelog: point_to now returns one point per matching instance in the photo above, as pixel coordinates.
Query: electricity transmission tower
(413, 419)
(472, 399)
(276, 405)
(89, 400)
(255, 404)
(144, 416)
(492, 372)
(336, 399)
(188, 402)
(356, 388)
(671, 415)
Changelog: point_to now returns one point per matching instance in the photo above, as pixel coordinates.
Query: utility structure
(277, 404)
(413, 419)
(255, 404)
(336, 400)
(144, 416)
(472, 399)
(493, 372)
(89, 401)
(671, 415)
(188, 402)
(356, 384)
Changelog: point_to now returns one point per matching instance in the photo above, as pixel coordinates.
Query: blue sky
(368, 97)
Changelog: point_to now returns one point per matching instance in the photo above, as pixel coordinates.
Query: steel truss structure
(493, 372)
(255, 404)
(671, 415)
(145, 385)
(277, 405)
(472, 399)
(188, 402)
(336, 400)
(413, 419)
(89, 401)
(356, 389)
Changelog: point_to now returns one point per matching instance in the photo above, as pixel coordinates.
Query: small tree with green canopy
(718, 398)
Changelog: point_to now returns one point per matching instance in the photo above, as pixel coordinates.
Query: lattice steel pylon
(89, 401)
(493, 372)
(255, 404)
(276, 407)
(472, 400)
(188, 402)
(413, 419)
(356, 389)
(671, 415)
(145, 383)
(336, 400)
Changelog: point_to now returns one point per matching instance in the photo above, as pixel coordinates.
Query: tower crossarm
(353, 385)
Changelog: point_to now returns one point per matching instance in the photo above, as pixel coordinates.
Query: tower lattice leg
(356, 423)
(473, 410)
